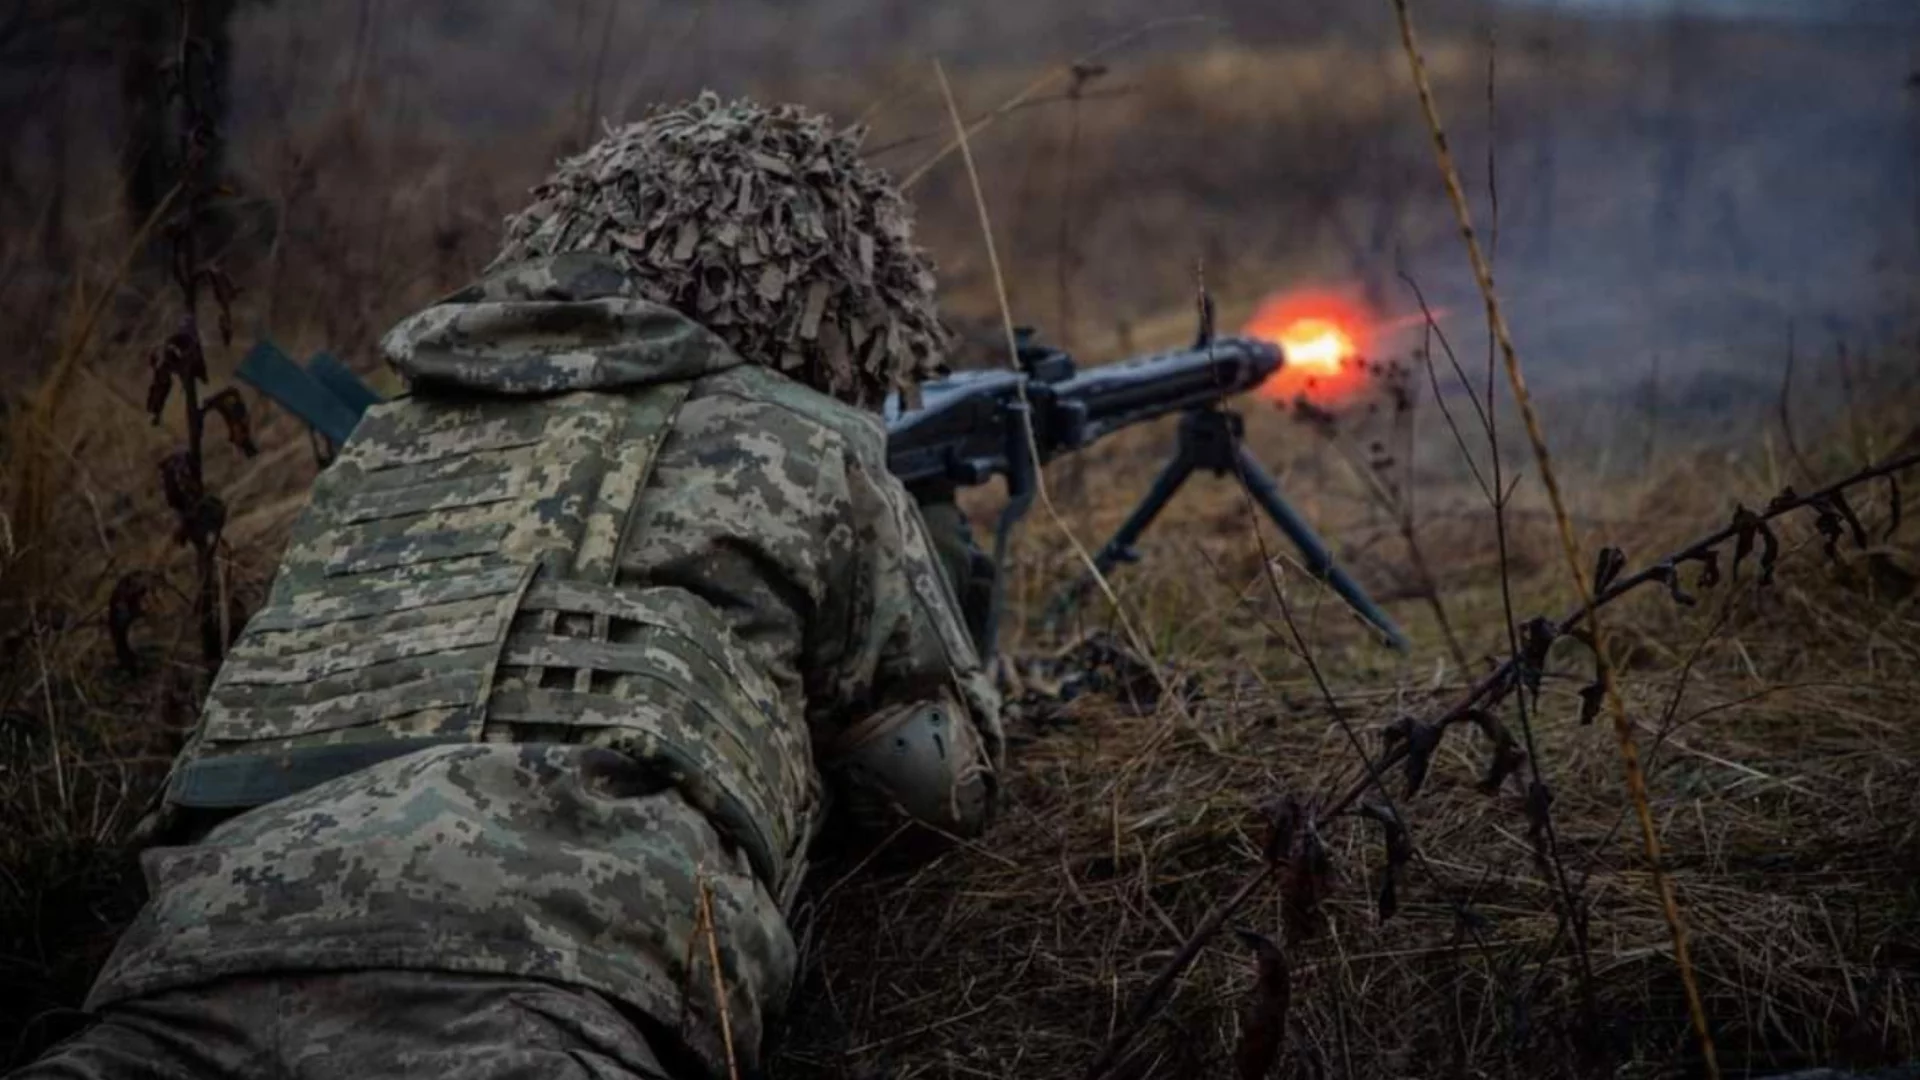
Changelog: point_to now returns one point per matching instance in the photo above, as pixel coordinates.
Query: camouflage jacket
(547, 666)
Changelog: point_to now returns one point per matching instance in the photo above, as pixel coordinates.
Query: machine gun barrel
(1102, 400)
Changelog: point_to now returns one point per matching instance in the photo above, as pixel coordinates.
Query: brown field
(1680, 205)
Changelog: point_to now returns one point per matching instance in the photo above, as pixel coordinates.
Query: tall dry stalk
(1616, 708)
(706, 928)
(35, 464)
(1013, 357)
(182, 359)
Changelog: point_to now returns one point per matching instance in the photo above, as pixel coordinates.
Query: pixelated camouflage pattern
(613, 647)
(566, 862)
(361, 1024)
(491, 335)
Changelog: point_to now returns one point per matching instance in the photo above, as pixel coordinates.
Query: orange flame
(1316, 346)
(1327, 337)
(1324, 337)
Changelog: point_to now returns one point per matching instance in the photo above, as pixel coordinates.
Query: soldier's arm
(969, 569)
(917, 730)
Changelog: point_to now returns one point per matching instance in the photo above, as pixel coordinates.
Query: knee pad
(924, 758)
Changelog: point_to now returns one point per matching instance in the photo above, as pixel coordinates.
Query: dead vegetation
(1778, 751)
(1466, 923)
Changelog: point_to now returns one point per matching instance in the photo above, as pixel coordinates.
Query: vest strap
(243, 781)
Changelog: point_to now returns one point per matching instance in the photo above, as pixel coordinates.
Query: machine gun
(975, 425)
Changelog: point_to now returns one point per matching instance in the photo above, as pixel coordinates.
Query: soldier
(569, 647)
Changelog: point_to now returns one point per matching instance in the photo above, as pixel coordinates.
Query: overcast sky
(1894, 12)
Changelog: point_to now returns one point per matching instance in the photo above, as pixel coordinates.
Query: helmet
(763, 225)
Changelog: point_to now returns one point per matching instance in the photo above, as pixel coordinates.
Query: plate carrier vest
(454, 581)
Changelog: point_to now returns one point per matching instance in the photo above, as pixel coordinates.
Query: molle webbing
(402, 581)
(650, 672)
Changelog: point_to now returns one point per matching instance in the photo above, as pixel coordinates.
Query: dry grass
(1781, 764)
(1778, 724)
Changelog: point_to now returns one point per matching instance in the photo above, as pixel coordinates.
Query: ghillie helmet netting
(763, 224)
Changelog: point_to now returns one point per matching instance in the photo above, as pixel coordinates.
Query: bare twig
(1396, 501)
(1496, 684)
(1540, 800)
(1076, 472)
(1623, 730)
(1068, 96)
(1786, 411)
(1156, 992)
(1063, 246)
(1405, 518)
(719, 980)
(1434, 333)
(1856, 432)
(592, 110)
(1493, 146)
(963, 132)
(1039, 481)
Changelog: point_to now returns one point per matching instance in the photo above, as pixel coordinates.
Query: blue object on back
(328, 397)
(346, 386)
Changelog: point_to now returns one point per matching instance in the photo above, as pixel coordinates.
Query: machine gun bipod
(1210, 439)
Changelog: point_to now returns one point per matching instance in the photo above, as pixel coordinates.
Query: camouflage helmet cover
(763, 224)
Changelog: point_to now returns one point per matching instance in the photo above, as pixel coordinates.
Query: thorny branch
(1542, 829)
(1623, 731)
(1494, 687)
(1508, 756)
(1421, 737)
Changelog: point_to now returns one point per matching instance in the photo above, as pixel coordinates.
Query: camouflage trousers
(359, 1026)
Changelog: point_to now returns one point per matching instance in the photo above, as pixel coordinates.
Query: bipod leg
(1313, 551)
(1119, 548)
